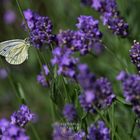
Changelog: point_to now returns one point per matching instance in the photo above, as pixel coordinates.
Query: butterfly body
(15, 51)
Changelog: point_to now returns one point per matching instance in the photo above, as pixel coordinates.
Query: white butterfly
(15, 51)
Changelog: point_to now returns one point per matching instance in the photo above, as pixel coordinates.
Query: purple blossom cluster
(22, 116)
(110, 15)
(3, 73)
(11, 132)
(9, 16)
(63, 57)
(97, 92)
(69, 112)
(131, 89)
(86, 39)
(14, 129)
(42, 77)
(88, 28)
(135, 54)
(62, 132)
(98, 131)
(40, 28)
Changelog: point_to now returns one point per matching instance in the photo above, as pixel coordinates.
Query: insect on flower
(15, 51)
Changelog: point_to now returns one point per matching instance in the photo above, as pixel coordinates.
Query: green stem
(38, 57)
(35, 132)
(133, 128)
(10, 81)
(52, 110)
(116, 57)
(113, 123)
(23, 100)
(66, 92)
(122, 101)
(21, 94)
(21, 12)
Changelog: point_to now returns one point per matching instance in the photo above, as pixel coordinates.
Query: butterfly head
(27, 41)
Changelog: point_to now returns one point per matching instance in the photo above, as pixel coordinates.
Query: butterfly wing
(15, 51)
(6, 46)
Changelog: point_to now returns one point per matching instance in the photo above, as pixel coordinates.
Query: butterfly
(15, 51)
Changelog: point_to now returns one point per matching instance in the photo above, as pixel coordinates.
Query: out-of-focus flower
(104, 5)
(85, 77)
(3, 73)
(97, 93)
(110, 15)
(135, 54)
(22, 116)
(69, 112)
(11, 132)
(63, 132)
(40, 28)
(87, 106)
(104, 93)
(79, 135)
(42, 77)
(98, 131)
(97, 48)
(65, 61)
(131, 89)
(9, 17)
(87, 2)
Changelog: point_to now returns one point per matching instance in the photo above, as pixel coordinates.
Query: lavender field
(69, 70)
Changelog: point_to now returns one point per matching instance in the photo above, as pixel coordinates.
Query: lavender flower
(9, 17)
(69, 112)
(98, 131)
(3, 73)
(131, 89)
(65, 61)
(135, 54)
(22, 116)
(40, 28)
(87, 38)
(89, 26)
(42, 77)
(87, 106)
(84, 77)
(63, 132)
(97, 93)
(79, 135)
(104, 93)
(10, 131)
(74, 40)
(104, 5)
(65, 38)
(110, 15)
(115, 23)
(90, 35)
(97, 48)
